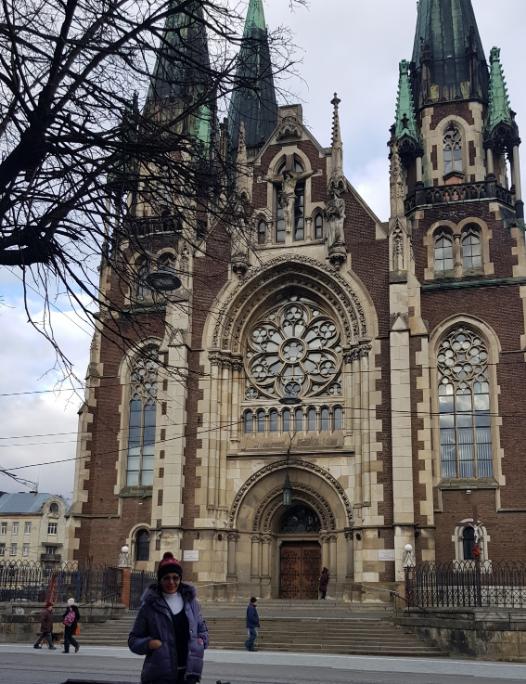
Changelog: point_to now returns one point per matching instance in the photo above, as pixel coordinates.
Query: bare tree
(77, 144)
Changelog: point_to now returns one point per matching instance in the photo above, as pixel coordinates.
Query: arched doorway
(300, 553)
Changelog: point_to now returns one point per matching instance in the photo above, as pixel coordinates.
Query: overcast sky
(346, 46)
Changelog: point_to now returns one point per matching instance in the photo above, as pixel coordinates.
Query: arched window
(299, 210)
(468, 542)
(471, 248)
(324, 419)
(260, 420)
(337, 418)
(262, 232)
(300, 518)
(142, 291)
(311, 419)
(298, 420)
(452, 150)
(248, 422)
(273, 420)
(142, 546)
(443, 254)
(141, 422)
(318, 226)
(285, 420)
(464, 406)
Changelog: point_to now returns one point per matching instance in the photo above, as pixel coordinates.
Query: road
(20, 664)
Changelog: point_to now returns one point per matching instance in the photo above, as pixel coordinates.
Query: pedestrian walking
(169, 629)
(252, 624)
(324, 582)
(46, 627)
(70, 620)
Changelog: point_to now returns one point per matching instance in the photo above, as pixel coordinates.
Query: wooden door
(300, 566)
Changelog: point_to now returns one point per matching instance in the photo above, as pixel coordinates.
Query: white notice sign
(386, 555)
(191, 555)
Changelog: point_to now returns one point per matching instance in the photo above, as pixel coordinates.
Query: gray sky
(346, 46)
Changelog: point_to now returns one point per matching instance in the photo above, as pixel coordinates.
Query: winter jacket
(46, 621)
(154, 621)
(252, 616)
(324, 581)
(75, 622)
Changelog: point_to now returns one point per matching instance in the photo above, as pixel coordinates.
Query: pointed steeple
(182, 69)
(448, 57)
(406, 132)
(254, 98)
(337, 182)
(499, 109)
(243, 183)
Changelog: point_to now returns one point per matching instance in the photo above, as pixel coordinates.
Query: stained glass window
(464, 406)
(142, 419)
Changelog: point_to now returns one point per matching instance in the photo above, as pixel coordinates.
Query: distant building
(32, 527)
(402, 342)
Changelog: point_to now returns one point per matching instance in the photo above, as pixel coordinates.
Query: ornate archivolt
(295, 272)
(272, 504)
(316, 499)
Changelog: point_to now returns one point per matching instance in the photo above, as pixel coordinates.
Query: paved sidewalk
(476, 670)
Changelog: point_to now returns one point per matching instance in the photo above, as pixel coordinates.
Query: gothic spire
(500, 115)
(337, 182)
(448, 56)
(182, 69)
(406, 128)
(254, 98)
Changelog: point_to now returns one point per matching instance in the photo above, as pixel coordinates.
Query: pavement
(21, 664)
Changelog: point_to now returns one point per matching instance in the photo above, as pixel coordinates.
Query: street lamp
(287, 490)
(163, 279)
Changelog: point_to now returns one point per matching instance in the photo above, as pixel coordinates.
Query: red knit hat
(169, 564)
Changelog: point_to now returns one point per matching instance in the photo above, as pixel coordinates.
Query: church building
(345, 386)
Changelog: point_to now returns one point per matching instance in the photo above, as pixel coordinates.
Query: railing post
(125, 593)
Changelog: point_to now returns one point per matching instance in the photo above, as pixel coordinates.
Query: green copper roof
(183, 63)
(255, 16)
(499, 110)
(405, 122)
(254, 98)
(448, 54)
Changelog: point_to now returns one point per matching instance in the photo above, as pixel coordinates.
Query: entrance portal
(300, 566)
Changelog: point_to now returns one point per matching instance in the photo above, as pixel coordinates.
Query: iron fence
(139, 582)
(467, 584)
(38, 583)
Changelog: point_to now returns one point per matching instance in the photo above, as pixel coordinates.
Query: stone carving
(302, 493)
(240, 238)
(289, 128)
(397, 248)
(260, 278)
(289, 463)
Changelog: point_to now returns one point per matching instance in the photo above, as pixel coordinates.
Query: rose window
(296, 349)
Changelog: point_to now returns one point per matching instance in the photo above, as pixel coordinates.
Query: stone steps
(315, 634)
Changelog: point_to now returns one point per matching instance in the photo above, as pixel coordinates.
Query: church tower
(457, 262)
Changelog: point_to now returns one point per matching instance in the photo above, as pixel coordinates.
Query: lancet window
(471, 248)
(142, 420)
(464, 406)
(452, 150)
(444, 260)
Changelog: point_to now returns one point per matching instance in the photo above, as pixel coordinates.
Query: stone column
(325, 552)
(366, 423)
(490, 163)
(232, 538)
(265, 556)
(356, 398)
(125, 586)
(255, 555)
(213, 441)
(349, 541)
(419, 169)
(333, 557)
(223, 432)
(235, 416)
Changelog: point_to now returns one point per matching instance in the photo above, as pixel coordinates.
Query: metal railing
(36, 582)
(139, 583)
(466, 584)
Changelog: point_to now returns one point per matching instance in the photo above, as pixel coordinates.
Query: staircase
(295, 626)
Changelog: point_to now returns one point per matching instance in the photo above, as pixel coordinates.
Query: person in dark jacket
(169, 629)
(324, 582)
(46, 627)
(252, 624)
(71, 619)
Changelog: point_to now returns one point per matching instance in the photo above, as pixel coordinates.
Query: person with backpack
(70, 620)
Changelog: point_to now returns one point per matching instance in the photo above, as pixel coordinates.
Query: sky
(351, 47)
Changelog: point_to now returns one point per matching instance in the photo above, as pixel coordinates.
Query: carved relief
(291, 464)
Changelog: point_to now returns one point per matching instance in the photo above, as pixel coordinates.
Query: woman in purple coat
(169, 629)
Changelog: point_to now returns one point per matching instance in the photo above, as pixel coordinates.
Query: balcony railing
(449, 194)
(150, 225)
